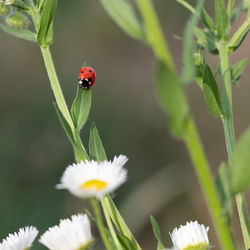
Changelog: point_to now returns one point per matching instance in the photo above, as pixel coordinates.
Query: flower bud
(198, 59)
(8, 2)
(17, 20)
(4, 10)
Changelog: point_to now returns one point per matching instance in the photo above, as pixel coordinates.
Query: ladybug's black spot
(90, 79)
(90, 70)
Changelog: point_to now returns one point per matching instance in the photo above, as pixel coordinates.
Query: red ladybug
(86, 77)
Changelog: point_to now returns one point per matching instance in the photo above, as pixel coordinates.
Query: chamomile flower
(94, 179)
(69, 234)
(21, 240)
(190, 236)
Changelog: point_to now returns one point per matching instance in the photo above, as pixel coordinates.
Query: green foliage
(97, 152)
(223, 187)
(188, 48)
(17, 20)
(126, 243)
(239, 165)
(118, 220)
(172, 98)
(205, 38)
(222, 22)
(236, 12)
(207, 20)
(64, 124)
(96, 149)
(211, 93)
(45, 32)
(20, 33)
(81, 107)
(237, 70)
(123, 13)
(157, 233)
(239, 35)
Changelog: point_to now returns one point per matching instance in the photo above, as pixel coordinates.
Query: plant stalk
(96, 207)
(55, 85)
(191, 138)
(205, 178)
(230, 136)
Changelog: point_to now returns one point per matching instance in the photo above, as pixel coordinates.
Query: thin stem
(97, 211)
(205, 178)
(55, 85)
(191, 137)
(154, 33)
(186, 5)
(230, 137)
(111, 227)
(229, 7)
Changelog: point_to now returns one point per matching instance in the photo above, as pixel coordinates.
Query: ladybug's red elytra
(86, 77)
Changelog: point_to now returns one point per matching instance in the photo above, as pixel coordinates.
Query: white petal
(21, 240)
(69, 234)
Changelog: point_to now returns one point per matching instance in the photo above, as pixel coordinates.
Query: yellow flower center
(97, 184)
(200, 246)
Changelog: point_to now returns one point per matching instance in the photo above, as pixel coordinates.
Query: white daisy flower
(69, 234)
(191, 236)
(94, 179)
(21, 240)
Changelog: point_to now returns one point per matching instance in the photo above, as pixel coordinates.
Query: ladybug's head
(85, 83)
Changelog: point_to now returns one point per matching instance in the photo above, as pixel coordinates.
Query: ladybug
(86, 77)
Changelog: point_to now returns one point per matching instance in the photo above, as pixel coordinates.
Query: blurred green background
(34, 150)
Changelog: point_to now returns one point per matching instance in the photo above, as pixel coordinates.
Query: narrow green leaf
(172, 98)
(126, 243)
(96, 149)
(123, 13)
(64, 124)
(223, 187)
(239, 35)
(211, 93)
(237, 70)
(188, 48)
(79, 150)
(240, 170)
(222, 22)
(207, 20)
(157, 233)
(20, 33)
(44, 36)
(81, 107)
(206, 39)
(118, 220)
(236, 12)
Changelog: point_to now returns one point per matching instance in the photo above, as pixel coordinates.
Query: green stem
(111, 227)
(186, 5)
(230, 136)
(97, 211)
(229, 7)
(191, 138)
(205, 178)
(154, 33)
(55, 85)
(79, 150)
